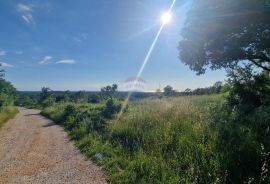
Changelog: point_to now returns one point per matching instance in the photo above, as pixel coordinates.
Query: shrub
(7, 94)
(111, 108)
(94, 99)
(242, 123)
(49, 101)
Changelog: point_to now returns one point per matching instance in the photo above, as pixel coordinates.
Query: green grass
(6, 114)
(156, 140)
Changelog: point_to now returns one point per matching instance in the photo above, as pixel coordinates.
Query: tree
(187, 91)
(45, 93)
(64, 97)
(220, 34)
(242, 123)
(81, 96)
(250, 90)
(46, 97)
(49, 101)
(26, 101)
(217, 87)
(109, 91)
(94, 98)
(168, 91)
(111, 108)
(7, 93)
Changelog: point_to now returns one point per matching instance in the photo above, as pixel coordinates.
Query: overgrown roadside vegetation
(6, 114)
(7, 97)
(218, 138)
(156, 141)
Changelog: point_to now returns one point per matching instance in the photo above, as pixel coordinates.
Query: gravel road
(34, 150)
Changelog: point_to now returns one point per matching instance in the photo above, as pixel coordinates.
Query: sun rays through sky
(84, 45)
(165, 19)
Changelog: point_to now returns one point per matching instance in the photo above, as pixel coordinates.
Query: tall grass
(155, 141)
(6, 114)
(172, 134)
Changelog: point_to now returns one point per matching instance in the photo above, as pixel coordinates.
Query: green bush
(243, 123)
(111, 108)
(7, 94)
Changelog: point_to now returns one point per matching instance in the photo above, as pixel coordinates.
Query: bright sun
(166, 17)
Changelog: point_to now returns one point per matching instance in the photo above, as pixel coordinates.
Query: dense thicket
(243, 126)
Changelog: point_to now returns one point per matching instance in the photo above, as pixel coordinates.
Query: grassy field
(6, 114)
(156, 141)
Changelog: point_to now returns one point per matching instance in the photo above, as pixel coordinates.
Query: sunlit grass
(165, 140)
(6, 114)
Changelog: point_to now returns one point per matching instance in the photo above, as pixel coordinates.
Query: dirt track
(34, 150)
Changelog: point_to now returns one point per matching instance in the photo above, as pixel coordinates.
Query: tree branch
(259, 65)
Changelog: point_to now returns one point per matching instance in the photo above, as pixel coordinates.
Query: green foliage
(45, 93)
(6, 114)
(5, 100)
(46, 97)
(168, 91)
(80, 96)
(215, 89)
(111, 108)
(94, 98)
(193, 139)
(7, 94)
(49, 101)
(72, 115)
(249, 90)
(7, 97)
(63, 97)
(225, 88)
(156, 141)
(109, 91)
(219, 34)
(241, 122)
(171, 141)
(26, 101)
(243, 125)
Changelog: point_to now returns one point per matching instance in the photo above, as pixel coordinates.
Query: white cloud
(26, 12)
(28, 18)
(66, 61)
(3, 64)
(46, 60)
(24, 8)
(2, 52)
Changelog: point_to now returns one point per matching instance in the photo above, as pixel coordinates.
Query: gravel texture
(35, 150)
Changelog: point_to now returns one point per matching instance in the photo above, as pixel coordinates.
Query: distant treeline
(46, 96)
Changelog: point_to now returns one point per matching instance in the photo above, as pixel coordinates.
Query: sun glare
(166, 17)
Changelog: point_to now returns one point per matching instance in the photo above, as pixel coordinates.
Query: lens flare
(167, 18)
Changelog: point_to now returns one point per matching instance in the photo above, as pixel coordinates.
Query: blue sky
(86, 44)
